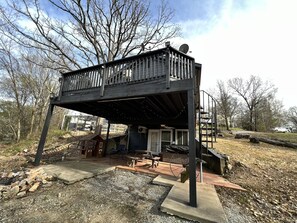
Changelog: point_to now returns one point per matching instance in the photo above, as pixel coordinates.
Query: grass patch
(14, 148)
(286, 137)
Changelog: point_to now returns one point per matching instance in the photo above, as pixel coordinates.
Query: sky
(239, 38)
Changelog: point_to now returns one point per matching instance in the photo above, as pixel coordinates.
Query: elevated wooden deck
(147, 89)
(151, 89)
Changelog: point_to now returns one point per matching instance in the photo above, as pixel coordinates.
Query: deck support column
(192, 148)
(107, 138)
(44, 134)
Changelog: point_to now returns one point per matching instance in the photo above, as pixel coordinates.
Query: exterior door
(154, 144)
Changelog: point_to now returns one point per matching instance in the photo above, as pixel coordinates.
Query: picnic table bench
(140, 155)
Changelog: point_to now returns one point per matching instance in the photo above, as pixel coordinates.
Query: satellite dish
(184, 48)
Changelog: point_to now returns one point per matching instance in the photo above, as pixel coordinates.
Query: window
(182, 137)
(165, 138)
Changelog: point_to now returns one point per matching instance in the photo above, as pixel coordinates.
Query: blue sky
(242, 38)
(239, 38)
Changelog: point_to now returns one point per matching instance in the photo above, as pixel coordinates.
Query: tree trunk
(32, 122)
(251, 121)
(227, 124)
(18, 135)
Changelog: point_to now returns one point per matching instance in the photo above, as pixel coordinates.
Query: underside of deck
(149, 104)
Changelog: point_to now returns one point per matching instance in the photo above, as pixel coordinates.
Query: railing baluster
(170, 64)
(189, 69)
(173, 64)
(167, 61)
(139, 70)
(154, 65)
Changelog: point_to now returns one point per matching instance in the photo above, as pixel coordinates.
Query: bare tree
(83, 33)
(12, 82)
(42, 81)
(292, 115)
(269, 114)
(253, 91)
(228, 104)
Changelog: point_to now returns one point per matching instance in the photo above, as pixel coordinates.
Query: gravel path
(117, 196)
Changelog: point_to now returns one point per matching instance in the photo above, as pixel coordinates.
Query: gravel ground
(117, 196)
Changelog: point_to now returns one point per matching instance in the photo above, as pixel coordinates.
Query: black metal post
(192, 148)
(44, 134)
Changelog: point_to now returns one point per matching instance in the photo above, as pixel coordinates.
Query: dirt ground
(116, 196)
(269, 173)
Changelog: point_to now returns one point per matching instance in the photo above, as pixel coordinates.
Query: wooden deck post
(192, 148)
(107, 138)
(44, 134)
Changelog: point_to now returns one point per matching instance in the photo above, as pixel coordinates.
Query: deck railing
(167, 62)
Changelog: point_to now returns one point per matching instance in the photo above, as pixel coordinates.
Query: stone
(254, 140)
(34, 187)
(229, 166)
(30, 181)
(48, 184)
(25, 150)
(23, 185)
(4, 175)
(10, 192)
(16, 183)
(21, 194)
(10, 175)
(3, 188)
(15, 189)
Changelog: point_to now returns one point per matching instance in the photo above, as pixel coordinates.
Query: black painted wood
(44, 134)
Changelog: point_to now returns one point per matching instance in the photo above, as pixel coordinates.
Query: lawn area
(268, 172)
(287, 137)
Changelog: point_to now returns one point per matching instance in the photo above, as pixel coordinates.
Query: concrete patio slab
(72, 171)
(209, 208)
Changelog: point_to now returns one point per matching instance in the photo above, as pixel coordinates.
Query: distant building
(84, 122)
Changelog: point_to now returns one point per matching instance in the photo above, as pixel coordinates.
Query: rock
(15, 189)
(23, 185)
(25, 150)
(47, 184)
(10, 192)
(221, 135)
(3, 188)
(50, 178)
(16, 183)
(254, 140)
(4, 175)
(10, 175)
(229, 166)
(21, 194)
(34, 187)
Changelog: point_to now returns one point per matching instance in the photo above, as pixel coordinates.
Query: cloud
(255, 39)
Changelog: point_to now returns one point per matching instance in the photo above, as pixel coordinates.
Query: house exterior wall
(155, 140)
(137, 140)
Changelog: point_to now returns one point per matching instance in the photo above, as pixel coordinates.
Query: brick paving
(165, 168)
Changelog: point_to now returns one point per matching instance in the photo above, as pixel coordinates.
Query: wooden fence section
(166, 62)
